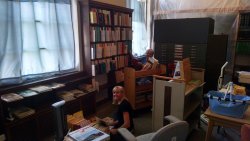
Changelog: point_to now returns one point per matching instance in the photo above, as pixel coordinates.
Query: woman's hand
(113, 131)
(109, 121)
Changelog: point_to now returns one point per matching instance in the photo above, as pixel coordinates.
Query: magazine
(41, 88)
(88, 133)
(10, 97)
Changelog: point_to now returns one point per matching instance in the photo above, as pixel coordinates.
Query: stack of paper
(41, 88)
(11, 97)
(244, 77)
(22, 112)
(27, 93)
(56, 85)
(66, 95)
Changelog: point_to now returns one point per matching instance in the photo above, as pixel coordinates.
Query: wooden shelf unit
(144, 91)
(108, 50)
(40, 125)
(110, 34)
(242, 49)
(177, 98)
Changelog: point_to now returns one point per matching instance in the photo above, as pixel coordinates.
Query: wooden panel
(22, 131)
(45, 124)
(88, 104)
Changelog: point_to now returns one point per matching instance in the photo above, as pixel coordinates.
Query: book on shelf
(66, 95)
(88, 134)
(27, 93)
(56, 85)
(41, 88)
(86, 87)
(22, 112)
(77, 93)
(10, 97)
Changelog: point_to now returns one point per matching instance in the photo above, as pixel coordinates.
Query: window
(36, 39)
(140, 38)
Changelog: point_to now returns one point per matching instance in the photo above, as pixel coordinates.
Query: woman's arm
(126, 119)
(126, 123)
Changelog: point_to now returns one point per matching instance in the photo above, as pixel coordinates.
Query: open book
(88, 133)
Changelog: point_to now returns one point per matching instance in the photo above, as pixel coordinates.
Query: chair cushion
(145, 137)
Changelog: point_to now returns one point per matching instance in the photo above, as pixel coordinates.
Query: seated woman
(151, 62)
(123, 116)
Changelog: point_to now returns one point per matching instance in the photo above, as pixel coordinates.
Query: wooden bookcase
(107, 32)
(177, 98)
(40, 125)
(140, 95)
(242, 50)
(110, 36)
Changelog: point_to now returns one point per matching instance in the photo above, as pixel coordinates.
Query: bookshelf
(178, 98)
(107, 32)
(242, 50)
(37, 123)
(140, 94)
(110, 36)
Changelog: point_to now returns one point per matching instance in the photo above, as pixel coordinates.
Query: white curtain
(36, 38)
(139, 24)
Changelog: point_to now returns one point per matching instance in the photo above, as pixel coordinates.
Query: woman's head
(118, 93)
(150, 53)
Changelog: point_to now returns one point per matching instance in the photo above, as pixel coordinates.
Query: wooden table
(225, 121)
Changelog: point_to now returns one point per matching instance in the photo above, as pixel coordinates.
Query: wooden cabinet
(139, 85)
(242, 50)
(177, 98)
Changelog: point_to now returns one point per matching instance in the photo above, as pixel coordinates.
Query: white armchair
(177, 130)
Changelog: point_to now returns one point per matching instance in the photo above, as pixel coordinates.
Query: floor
(142, 121)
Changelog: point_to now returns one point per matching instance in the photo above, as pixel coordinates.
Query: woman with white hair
(123, 117)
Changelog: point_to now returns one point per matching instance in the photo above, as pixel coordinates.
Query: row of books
(102, 34)
(245, 20)
(103, 17)
(106, 65)
(103, 50)
(100, 16)
(243, 48)
(122, 19)
(10, 97)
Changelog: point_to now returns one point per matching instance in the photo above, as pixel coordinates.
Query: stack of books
(56, 85)
(66, 95)
(244, 77)
(22, 112)
(77, 93)
(41, 89)
(11, 97)
(27, 93)
(86, 87)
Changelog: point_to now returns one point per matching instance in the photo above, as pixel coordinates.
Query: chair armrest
(172, 119)
(128, 136)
